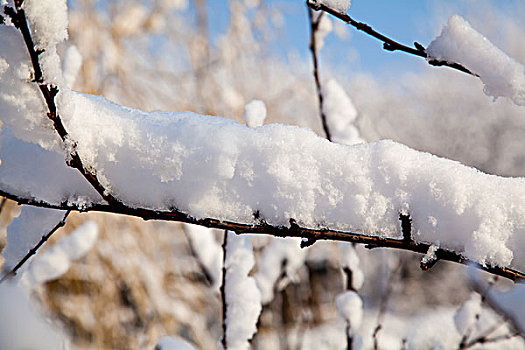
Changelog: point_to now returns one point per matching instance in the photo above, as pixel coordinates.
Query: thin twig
(33, 250)
(314, 26)
(223, 291)
(388, 43)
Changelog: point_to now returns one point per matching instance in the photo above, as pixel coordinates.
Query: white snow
(431, 254)
(350, 260)
(71, 65)
(279, 171)
(350, 307)
(465, 318)
(501, 74)
(324, 28)
(47, 21)
(511, 303)
(243, 299)
(26, 231)
(55, 261)
(340, 114)
(173, 343)
(22, 326)
(279, 251)
(339, 5)
(208, 251)
(254, 113)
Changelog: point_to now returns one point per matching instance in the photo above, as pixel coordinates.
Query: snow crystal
(350, 307)
(54, 262)
(254, 113)
(430, 256)
(511, 303)
(26, 230)
(243, 299)
(47, 20)
(459, 42)
(340, 114)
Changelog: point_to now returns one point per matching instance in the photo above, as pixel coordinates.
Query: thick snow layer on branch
(243, 299)
(26, 230)
(214, 167)
(54, 262)
(460, 43)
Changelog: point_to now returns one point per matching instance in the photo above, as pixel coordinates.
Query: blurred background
(143, 280)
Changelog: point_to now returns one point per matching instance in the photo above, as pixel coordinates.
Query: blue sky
(403, 20)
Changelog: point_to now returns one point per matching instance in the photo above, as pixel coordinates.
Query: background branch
(33, 250)
(388, 43)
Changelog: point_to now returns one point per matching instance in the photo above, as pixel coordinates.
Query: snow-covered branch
(273, 179)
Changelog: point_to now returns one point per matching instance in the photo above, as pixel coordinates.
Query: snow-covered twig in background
(33, 250)
(242, 297)
(314, 27)
(206, 251)
(388, 44)
(501, 74)
(57, 260)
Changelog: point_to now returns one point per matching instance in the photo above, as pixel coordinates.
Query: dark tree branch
(33, 250)
(314, 26)
(388, 44)
(262, 227)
